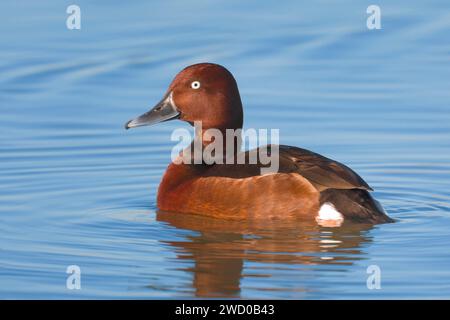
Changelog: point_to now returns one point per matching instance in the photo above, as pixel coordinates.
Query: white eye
(195, 85)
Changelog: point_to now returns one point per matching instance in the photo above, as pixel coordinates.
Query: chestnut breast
(186, 189)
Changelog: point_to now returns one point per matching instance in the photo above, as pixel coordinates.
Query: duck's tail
(355, 205)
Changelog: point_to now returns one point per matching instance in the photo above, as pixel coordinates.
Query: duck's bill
(165, 110)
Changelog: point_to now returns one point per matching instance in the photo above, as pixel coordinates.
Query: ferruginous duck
(305, 183)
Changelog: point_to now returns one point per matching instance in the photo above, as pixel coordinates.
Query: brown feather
(324, 173)
(268, 196)
(320, 171)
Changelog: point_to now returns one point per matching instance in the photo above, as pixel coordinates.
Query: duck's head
(203, 92)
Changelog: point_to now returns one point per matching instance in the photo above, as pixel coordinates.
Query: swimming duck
(306, 184)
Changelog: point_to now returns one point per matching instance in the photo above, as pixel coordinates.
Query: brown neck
(211, 144)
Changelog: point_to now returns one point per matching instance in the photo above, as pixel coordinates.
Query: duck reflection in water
(221, 248)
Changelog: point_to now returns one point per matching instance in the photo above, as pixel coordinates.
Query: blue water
(77, 189)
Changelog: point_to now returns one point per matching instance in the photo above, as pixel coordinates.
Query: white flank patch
(328, 216)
